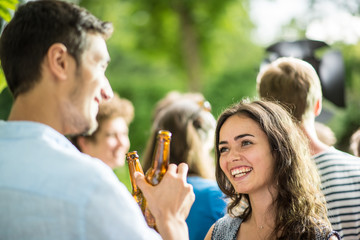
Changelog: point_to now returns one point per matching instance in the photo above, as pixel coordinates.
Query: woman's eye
(245, 143)
(222, 149)
(110, 134)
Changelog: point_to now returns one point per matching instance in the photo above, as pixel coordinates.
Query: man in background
(295, 84)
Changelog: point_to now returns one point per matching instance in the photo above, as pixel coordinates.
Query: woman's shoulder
(324, 233)
(226, 227)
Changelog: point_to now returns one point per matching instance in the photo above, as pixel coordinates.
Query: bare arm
(170, 201)
(209, 233)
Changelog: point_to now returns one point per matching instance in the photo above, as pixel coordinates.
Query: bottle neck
(134, 166)
(160, 161)
(161, 155)
(132, 170)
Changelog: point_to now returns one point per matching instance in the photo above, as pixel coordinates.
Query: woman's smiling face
(245, 155)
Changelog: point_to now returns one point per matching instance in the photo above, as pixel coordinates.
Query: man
(295, 83)
(54, 57)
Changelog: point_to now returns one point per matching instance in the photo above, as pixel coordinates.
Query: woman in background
(110, 142)
(188, 118)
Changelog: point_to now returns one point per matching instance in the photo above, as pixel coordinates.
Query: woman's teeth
(239, 172)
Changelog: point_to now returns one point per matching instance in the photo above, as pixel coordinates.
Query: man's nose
(106, 91)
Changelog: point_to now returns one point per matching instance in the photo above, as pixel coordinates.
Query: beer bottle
(135, 166)
(159, 166)
(160, 159)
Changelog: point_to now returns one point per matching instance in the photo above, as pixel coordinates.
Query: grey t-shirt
(227, 228)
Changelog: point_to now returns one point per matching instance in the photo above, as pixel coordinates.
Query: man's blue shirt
(50, 190)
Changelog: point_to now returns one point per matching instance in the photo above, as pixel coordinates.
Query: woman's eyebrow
(237, 138)
(243, 135)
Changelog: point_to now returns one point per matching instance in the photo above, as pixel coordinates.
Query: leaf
(6, 7)
(9, 4)
(5, 14)
(2, 81)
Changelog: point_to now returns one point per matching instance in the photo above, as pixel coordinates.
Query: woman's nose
(234, 155)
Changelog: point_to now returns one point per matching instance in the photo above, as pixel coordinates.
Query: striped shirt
(340, 179)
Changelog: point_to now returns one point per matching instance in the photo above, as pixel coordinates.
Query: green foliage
(347, 120)
(6, 7)
(231, 88)
(159, 20)
(2, 80)
(6, 101)
(345, 123)
(351, 55)
(123, 174)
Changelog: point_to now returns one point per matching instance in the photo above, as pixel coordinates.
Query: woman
(192, 126)
(264, 167)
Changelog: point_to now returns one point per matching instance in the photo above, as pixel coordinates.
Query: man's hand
(169, 201)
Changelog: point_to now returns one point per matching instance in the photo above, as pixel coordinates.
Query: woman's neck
(263, 212)
(261, 222)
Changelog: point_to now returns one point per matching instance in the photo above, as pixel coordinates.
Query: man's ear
(58, 60)
(82, 143)
(318, 107)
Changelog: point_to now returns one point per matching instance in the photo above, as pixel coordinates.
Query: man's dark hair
(34, 28)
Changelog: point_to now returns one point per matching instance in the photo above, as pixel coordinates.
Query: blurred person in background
(295, 84)
(355, 143)
(325, 134)
(110, 141)
(188, 117)
(173, 96)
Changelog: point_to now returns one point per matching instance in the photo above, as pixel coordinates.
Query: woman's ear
(58, 58)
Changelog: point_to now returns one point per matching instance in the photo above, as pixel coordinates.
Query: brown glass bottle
(135, 166)
(159, 166)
